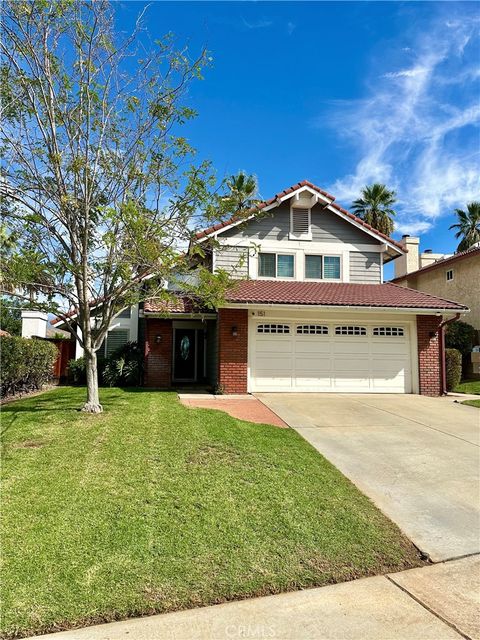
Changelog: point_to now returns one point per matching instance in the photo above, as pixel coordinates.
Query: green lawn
(468, 386)
(153, 507)
(472, 403)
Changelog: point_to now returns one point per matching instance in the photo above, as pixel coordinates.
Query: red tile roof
(178, 304)
(336, 294)
(285, 192)
(468, 253)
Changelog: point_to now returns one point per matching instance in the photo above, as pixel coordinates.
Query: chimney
(34, 324)
(410, 261)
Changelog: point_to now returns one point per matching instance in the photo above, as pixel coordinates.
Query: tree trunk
(93, 402)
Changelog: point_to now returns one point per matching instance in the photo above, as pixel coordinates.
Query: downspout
(442, 350)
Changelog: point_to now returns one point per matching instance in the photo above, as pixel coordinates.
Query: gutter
(340, 307)
(441, 335)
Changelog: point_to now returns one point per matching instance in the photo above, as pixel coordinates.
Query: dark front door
(185, 354)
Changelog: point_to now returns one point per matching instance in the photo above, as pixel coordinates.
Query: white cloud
(259, 24)
(417, 128)
(406, 73)
(291, 28)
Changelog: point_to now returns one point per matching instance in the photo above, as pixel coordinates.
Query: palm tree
(468, 226)
(375, 207)
(243, 189)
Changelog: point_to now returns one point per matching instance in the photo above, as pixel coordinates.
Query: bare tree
(98, 187)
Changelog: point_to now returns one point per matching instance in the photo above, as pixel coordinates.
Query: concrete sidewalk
(437, 602)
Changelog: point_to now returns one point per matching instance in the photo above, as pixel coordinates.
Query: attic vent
(300, 222)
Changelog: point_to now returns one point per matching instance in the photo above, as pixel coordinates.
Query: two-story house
(310, 311)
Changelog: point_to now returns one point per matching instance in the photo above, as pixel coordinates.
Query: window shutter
(300, 221)
(115, 340)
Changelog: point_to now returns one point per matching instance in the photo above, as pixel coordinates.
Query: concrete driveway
(417, 458)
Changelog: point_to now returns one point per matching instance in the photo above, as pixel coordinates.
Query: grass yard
(468, 386)
(472, 403)
(152, 507)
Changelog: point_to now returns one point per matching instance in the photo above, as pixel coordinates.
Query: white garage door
(326, 356)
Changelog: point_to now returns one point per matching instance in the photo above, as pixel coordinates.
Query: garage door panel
(350, 348)
(329, 362)
(390, 349)
(313, 384)
(268, 347)
(352, 384)
(313, 347)
(320, 365)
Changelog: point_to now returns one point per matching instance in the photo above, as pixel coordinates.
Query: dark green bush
(76, 372)
(124, 367)
(26, 364)
(460, 335)
(453, 366)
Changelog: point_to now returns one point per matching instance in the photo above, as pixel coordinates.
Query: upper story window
(276, 265)
(449, 275)
(300, 223)
(322, 267)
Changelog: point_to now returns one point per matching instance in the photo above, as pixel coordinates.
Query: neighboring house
(454, 277)
(310, 313)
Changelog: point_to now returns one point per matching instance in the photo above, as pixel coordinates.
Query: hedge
(453, 366)
(26, 364)
(460, 335)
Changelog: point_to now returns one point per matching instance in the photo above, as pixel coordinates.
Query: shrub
(124, 367)
(27, 364)
(453, 366)
(460, 335)
(76, 372)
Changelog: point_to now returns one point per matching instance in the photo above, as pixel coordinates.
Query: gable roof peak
(286, 194)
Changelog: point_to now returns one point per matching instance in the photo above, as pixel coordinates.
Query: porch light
(234, 331)
(158, 338)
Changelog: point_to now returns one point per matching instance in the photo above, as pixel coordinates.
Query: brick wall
(158, 356)
(429, 364)
(232, 350)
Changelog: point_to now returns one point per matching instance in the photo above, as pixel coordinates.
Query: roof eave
(330, 307)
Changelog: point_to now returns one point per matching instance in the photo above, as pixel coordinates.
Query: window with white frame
(312, 329)
(350, 331)
(273, 328)
(276, 265)
(300, 222)
(449, 275)
(319, 267)
(390, 332)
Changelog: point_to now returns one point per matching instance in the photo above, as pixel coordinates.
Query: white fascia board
(171, 316)
(362, 228)
(310, 246)
(417, 311)
(275, 204)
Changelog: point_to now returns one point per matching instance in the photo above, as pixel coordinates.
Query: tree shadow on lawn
(52, 401)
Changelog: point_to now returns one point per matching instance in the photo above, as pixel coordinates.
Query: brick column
(158, 356)
(429, 365)
(232, 350)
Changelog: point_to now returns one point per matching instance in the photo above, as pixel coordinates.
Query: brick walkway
(242, 407)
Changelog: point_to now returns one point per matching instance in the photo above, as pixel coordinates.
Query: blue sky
(343, 94)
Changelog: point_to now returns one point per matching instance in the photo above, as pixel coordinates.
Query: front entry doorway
(188, 354)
